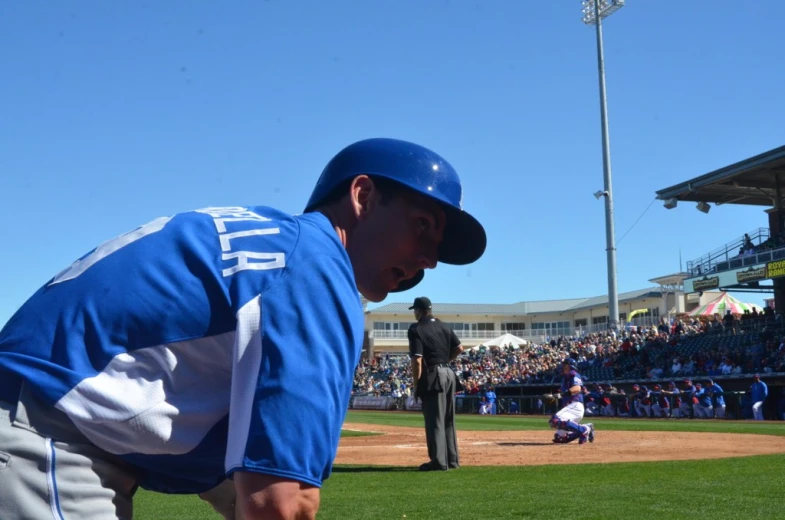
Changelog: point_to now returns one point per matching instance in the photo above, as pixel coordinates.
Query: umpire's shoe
(430, 466)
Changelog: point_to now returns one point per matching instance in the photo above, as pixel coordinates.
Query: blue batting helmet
(421, 170)
(571, 362)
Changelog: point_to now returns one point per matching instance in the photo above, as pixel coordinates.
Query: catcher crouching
(567, 420)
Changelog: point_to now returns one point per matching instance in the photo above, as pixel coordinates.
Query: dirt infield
(398, 446)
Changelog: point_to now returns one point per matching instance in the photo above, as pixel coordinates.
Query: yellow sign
(775, 269)
(635, 313)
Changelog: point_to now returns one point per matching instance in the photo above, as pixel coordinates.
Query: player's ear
(364, 196)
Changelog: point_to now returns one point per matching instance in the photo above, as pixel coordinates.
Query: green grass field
(737, 488)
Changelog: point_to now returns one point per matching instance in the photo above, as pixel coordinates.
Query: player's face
(565, 369)
(393, 241)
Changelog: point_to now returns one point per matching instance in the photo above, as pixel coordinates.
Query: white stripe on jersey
(156, 400)
(245, 367)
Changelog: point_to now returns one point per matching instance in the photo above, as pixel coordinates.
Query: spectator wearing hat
(730, 321)
(717, 397)
(759, 394)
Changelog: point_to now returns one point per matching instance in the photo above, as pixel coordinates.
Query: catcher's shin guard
(565, 439)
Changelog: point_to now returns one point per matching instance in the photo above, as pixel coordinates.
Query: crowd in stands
(687, 348)
(772, 242)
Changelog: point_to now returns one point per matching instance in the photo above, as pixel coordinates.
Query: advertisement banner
(706, 283)
(751, 274)
(775, 269)
(734, 277)
(371, 402)
(413, 404)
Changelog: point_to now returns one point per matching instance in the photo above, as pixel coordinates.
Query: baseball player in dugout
(432, 345)
(213, 352)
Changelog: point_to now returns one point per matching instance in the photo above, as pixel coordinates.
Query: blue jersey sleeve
(297, 347)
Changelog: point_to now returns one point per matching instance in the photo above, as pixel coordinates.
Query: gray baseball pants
(439, 413)
(48, 470)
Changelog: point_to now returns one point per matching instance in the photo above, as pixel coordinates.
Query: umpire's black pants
(439, 412)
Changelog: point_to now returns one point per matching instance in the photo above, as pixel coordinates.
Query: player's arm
(268, 497)
(415, 353)
(222, 498)
(577, 385)
(416, 370)
(296, 349)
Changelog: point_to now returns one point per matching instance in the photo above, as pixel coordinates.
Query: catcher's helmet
(571, 363)
(421, 170)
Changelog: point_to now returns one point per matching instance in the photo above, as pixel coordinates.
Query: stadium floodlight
(671, 203)
(599, 194)
(593, 13)
(602, 8)
(703, 207)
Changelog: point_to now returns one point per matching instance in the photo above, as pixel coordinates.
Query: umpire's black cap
(421, 303)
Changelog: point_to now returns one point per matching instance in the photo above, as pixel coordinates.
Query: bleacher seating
(601, 358)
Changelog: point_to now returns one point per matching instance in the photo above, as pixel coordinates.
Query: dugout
(755, 181)
(735, 387)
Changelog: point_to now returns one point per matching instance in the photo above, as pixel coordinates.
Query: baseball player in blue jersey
(567, 420)
(717, 396)
(702, 408)
(760, 391)
(213, 352)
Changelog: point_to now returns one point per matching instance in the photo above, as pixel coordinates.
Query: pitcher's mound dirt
(398, 446)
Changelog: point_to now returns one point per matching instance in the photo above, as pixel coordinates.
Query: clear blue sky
(118, 112)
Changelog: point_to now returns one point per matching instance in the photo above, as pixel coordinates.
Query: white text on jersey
(243, 259)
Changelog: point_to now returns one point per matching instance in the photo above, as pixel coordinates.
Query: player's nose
(427, 261)
(428, 256)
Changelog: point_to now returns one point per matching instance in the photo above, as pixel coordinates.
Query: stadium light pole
(593, 13)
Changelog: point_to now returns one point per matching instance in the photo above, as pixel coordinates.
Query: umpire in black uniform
(432, 345)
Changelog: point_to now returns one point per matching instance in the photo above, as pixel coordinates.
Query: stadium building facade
(535, 321)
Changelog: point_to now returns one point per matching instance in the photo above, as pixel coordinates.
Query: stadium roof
(520, 308)
(754, 181)
(670, 279)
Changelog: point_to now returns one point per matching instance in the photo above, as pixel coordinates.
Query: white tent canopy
(503, 341)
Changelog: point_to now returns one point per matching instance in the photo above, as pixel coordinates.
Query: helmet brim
(410, 283)
(464, 242)
(464, 239)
